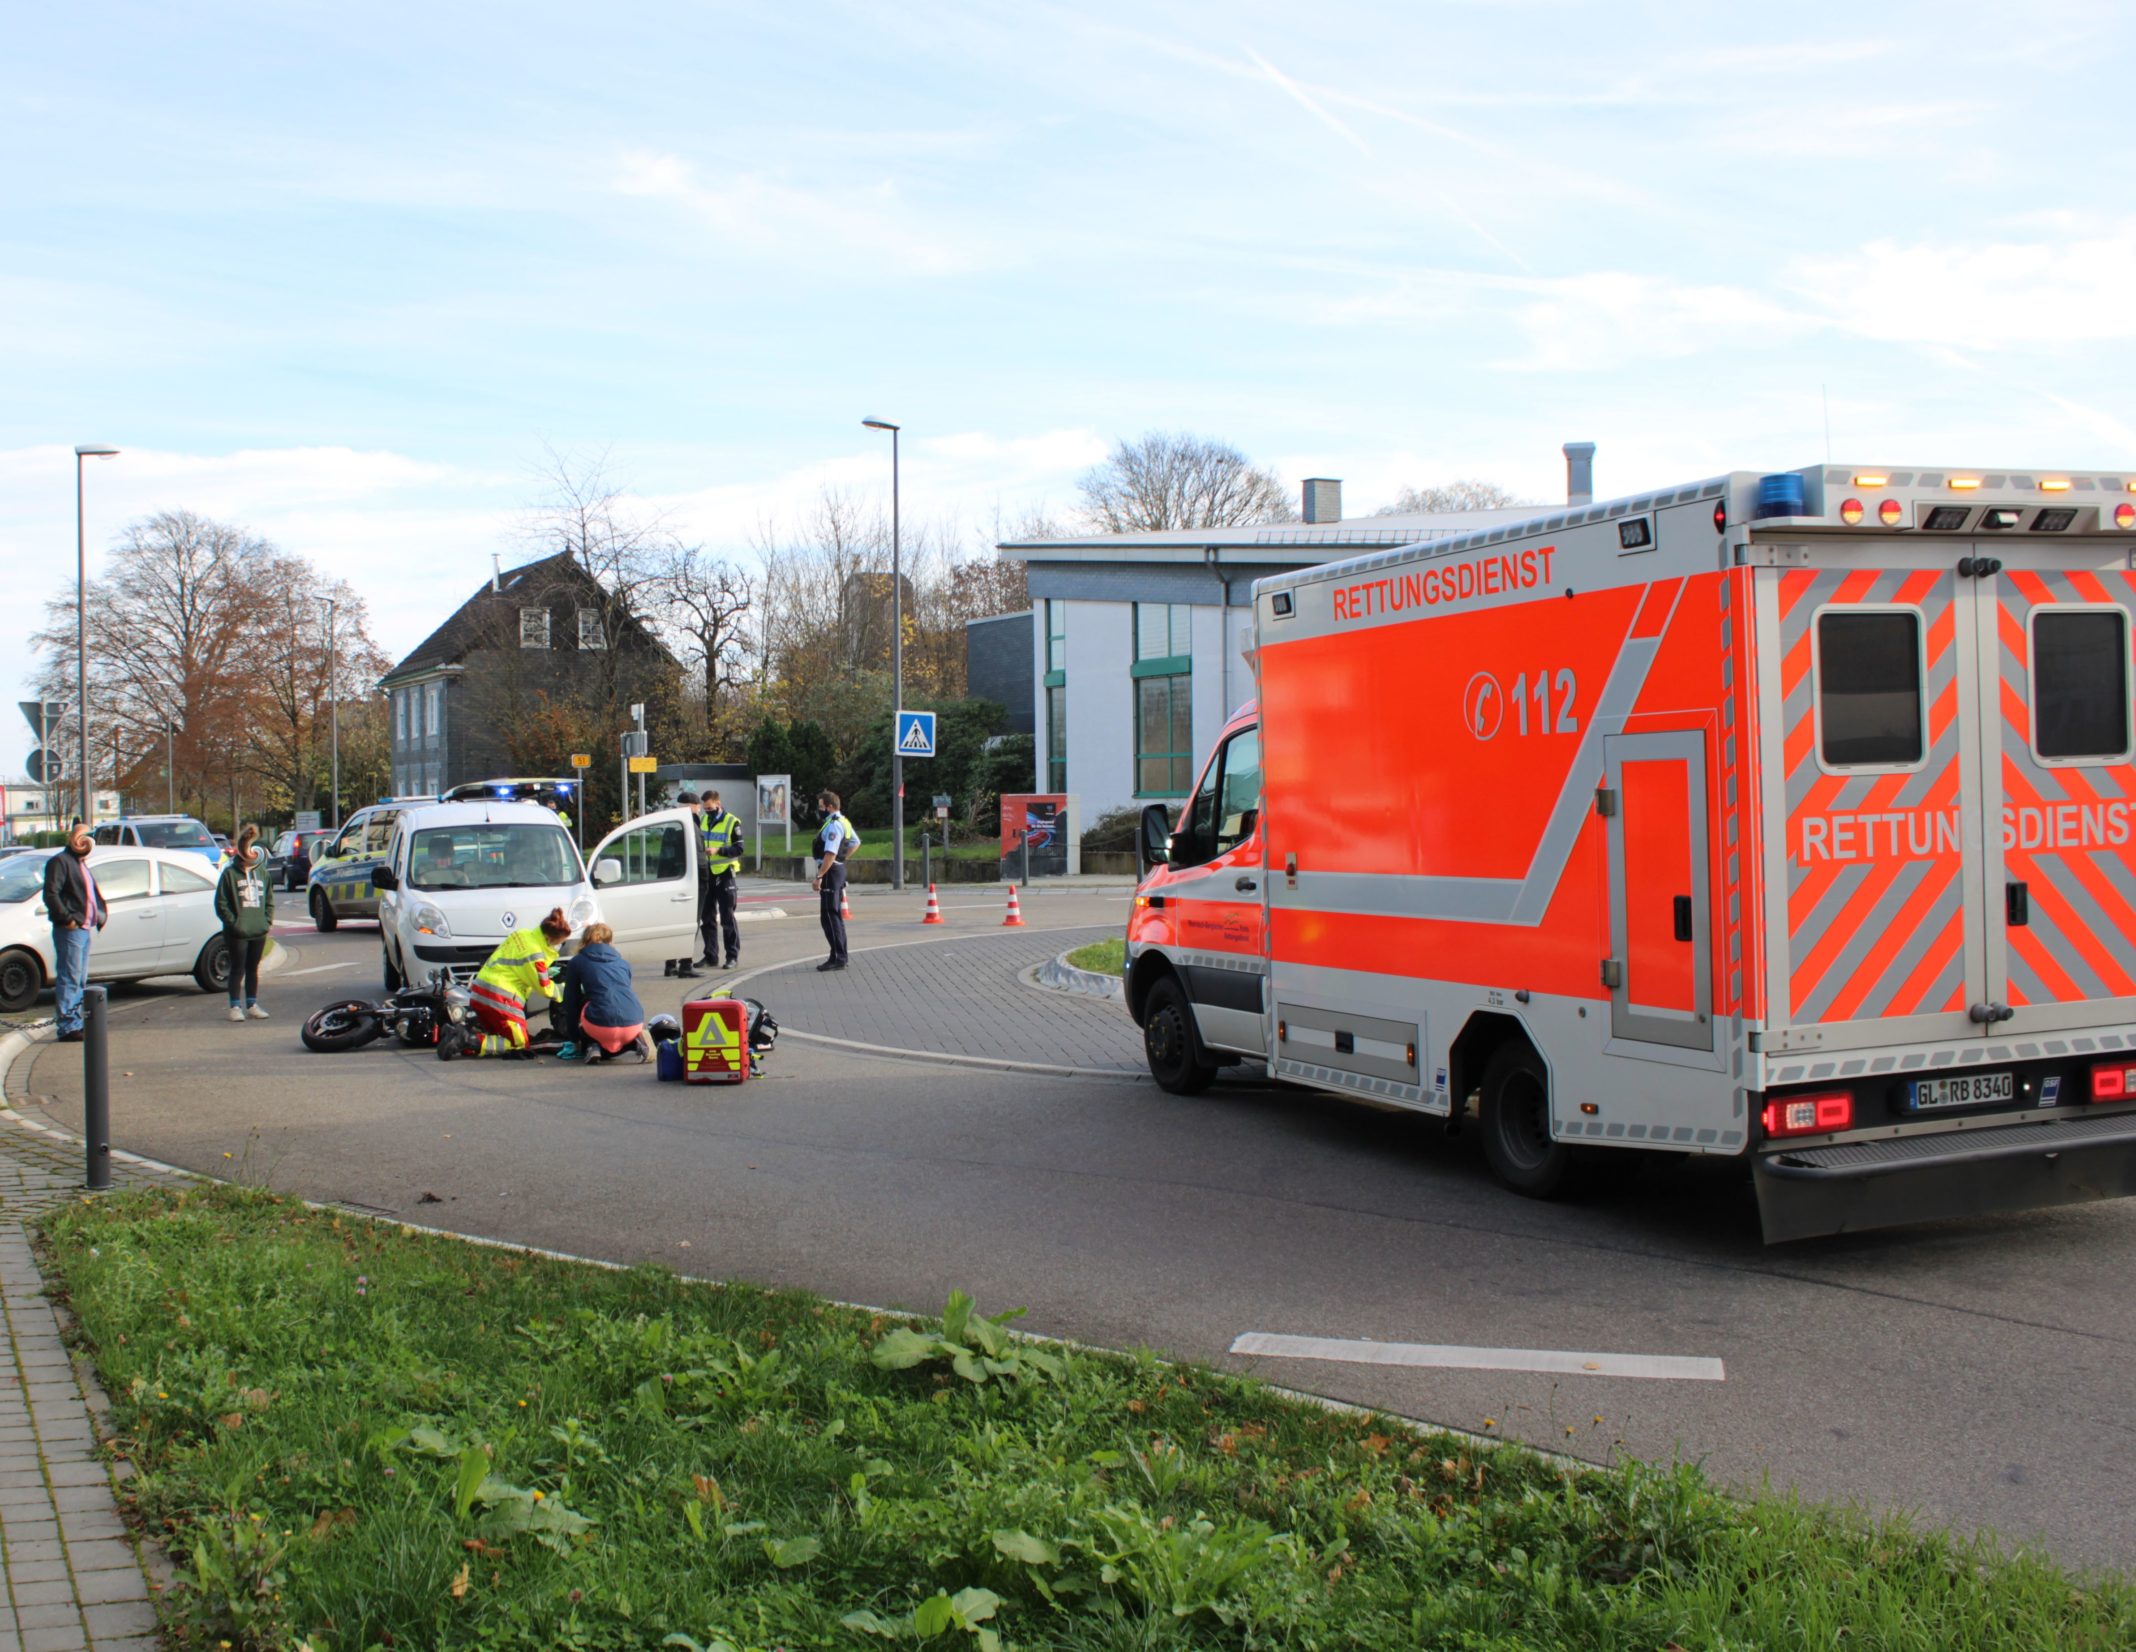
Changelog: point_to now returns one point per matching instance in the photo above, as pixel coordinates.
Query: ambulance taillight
(2113, 1081)
(1809, 1115)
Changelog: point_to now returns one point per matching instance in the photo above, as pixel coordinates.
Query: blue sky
(339, 273)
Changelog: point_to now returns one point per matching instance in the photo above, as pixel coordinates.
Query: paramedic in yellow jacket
(516, 974)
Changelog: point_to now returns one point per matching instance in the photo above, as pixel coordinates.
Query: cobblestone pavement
(73, 1580)
(958, 997)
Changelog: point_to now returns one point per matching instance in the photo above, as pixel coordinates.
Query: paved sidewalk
(73, 1580)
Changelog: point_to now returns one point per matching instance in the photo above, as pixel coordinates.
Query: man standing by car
(77, 911)
(720, 835)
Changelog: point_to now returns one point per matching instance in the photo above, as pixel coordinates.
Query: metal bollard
(96, 1091)
(927, 859)
(1025, 845)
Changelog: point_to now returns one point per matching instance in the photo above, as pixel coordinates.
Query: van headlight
(583, 912)
(429, 920)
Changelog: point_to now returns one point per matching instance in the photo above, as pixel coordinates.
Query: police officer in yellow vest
(720, 836)
(834, 846)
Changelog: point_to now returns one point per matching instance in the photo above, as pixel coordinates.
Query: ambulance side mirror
(1156, 835)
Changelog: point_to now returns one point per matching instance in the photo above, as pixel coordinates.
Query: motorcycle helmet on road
(664, 1027)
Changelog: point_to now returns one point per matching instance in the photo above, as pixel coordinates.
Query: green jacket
(244, 900)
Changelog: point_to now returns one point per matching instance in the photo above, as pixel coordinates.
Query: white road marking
(1673, 1367)
(321, 969)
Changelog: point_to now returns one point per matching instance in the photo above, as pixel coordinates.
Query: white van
(460, 877)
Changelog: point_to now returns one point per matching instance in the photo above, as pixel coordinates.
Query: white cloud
(1975, 296)
(866, 227)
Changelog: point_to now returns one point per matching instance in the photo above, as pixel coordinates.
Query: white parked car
(459, 877)
(162, 922)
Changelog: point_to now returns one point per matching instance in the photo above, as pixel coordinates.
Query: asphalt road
(1976, 1373)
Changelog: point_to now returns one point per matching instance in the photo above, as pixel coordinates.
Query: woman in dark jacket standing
(244, 901)
(600, 1007)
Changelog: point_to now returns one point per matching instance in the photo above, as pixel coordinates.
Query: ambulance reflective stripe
(2066, 830)
(1875, 862)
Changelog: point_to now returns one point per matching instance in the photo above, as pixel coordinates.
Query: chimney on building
(1323, 499)
(1579, 473)
(496, 570)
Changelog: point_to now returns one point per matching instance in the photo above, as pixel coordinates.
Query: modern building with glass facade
(1140, 641)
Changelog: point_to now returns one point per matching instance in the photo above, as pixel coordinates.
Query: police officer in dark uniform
(719, 863)
(833, 847)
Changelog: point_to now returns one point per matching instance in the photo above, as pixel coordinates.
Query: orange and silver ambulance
(1789, 818)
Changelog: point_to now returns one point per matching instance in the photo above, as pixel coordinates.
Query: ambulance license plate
(1960, 1090)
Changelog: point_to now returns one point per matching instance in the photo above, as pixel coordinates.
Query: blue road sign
(915, 734)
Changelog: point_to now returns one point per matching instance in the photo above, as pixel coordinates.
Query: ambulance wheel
(1516, 1128)
(322, 910)
(1169, 1042)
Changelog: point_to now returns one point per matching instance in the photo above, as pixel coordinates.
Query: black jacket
(68, 885)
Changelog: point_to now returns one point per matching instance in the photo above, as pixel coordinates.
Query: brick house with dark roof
(547, 630)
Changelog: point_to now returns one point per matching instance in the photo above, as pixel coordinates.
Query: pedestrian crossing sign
(915, 734)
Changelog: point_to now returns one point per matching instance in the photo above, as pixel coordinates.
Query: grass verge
(1106, 957)
(353, 1436)
(875, 845)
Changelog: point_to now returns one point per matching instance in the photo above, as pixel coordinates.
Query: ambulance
(1784, 818)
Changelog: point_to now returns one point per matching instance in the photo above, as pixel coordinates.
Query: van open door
(645, 877)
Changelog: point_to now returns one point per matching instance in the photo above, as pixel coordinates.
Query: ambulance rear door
(1876, 878)
(1958, 747)
(2059, 759)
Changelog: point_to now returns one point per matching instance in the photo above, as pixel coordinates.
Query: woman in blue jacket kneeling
(600, 1010)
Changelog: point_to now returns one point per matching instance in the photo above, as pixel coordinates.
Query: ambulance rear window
(1869, 689)
(2080, 683)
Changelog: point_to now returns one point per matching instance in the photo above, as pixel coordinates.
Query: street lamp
(333, 676)
(81, 619)
(897, 668)
(170, 766)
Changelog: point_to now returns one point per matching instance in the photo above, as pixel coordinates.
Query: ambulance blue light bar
(1780, 495)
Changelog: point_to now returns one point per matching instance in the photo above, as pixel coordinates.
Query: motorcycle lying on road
(416, 1015)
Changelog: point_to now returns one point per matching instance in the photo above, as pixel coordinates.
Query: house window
(437, 711)
(533, 628)
(1057, 738)
(1162, 631)
(590, 633)
(400, 714)
(1056, 636)
(1164, 722)
(415, 714)
(1164, 736)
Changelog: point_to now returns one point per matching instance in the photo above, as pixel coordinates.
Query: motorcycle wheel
(348, 1025)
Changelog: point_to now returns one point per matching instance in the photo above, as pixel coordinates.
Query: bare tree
(615, 541)
(207, 650)
(704, 601)
(1173, 480)
(1465, 495)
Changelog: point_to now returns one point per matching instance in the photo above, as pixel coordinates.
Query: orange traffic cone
(845, 907)
(934, 908)
(1015, 918)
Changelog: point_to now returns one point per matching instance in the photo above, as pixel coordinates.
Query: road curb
(1057, 974)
